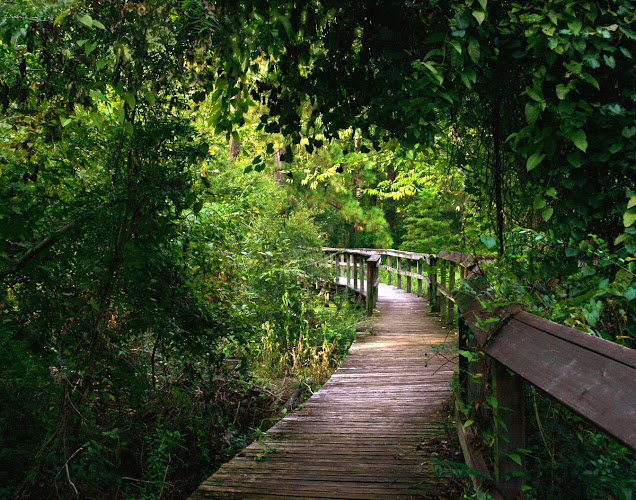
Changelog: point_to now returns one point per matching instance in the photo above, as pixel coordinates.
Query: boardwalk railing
(593, 377)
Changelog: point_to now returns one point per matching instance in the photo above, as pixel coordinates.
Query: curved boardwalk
(369, 432)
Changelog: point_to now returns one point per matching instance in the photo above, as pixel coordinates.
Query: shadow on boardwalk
(369, 433)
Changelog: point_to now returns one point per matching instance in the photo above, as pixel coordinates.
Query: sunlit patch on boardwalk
(369, 433)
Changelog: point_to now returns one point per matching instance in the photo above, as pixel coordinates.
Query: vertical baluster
(451, 286)
(419, 280)
(388, 264)
(399, 270)
(408, 278)
(432, 287)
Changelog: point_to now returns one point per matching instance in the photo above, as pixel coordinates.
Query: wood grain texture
(370, 431)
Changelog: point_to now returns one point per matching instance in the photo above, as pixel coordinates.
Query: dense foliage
(167, 165)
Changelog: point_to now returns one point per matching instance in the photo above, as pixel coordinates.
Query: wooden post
(408, 278)
(432, 287)
(348, 258)
(355, 271)
(511, 432)
(442, 281)
(388, 264)
(371, 269)
(337, 257)
(463, 362)
(419, 280)
(362, 273)
(399, 269)
(451, 286)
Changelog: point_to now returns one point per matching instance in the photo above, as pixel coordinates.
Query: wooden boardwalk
(369, 432)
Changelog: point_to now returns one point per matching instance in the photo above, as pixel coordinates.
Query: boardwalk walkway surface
(369, 432)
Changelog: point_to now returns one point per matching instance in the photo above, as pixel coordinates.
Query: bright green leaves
(534, 160)
(489, 241)
(479, 15)
(89, 22)
(562, 90)
(579, 138)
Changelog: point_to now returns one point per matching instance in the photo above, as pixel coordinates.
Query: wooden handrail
(593, 377)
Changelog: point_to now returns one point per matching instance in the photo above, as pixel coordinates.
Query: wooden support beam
(510, 423)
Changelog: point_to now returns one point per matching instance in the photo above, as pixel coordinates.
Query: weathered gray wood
(595, 380)
(511, 433)
(367, 433)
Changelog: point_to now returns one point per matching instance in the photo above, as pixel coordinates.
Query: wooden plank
(587, 381)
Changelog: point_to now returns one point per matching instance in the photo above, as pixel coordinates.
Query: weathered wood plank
(587, 380)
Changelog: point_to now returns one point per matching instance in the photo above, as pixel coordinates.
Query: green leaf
(99, 25)
(535, 94)
(539, 202)
(533, 110)
(610, 61)
(480, 15)
(629, 217)
(579, 139)
(575, 159)
(562, 90)
(515, 458)
(130, 100)
(591, 80)
(96, 94)
(473, 50)
(631, 202)
(622, 238)
(456, 45)
(547, 213)
(90, 47)
(525, 487)
(86, 20)
(628, 132)
(489, 241)
(150, 97)
(533, 160)
(468, 423)
(483, 4)
(196, 208)
(551, 192)
(100, 64)
(575, 26)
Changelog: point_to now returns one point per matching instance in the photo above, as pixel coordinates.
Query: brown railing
(593, 377)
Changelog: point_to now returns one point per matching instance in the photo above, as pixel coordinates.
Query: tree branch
(33, 251)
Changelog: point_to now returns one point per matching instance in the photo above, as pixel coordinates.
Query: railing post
(510, 431)
(408, 278)
(371, 270)
(419, 280)
(432, 287)
(442, 281)
(399, 269)
(451, 286)
(388, 264)
(337, 258)
(355, 272)
(348, 259)
(362, 261)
